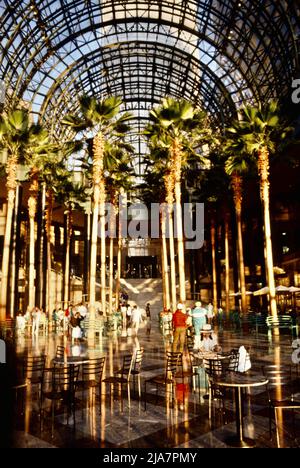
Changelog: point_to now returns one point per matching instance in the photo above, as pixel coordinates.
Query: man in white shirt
(136, 318)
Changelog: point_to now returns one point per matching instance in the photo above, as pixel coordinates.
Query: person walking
(179, 328)
(148, 313)
(136, 318)
(198, 315)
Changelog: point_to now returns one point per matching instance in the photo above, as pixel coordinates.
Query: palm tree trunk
(169, 187)
(119, 262)
(172, 258)
(227, 266)
(14, 271)
(40, 261)
(103, 248)
(111, 257)
(49, 197)
(177, 158)
(263, 169)
(67, 258)
(98, 149)
(32, 204)
(214, 264)
(165, 266)
(11, 184)
(237, 196)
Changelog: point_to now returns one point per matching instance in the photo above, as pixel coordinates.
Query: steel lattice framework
(217, 53)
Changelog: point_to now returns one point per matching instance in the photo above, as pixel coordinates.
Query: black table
(238, 380)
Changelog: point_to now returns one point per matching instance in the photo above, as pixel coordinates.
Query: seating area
(116, 385)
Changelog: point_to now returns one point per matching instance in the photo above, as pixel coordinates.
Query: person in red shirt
(179, 328)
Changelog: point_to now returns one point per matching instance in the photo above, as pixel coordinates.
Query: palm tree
(71, 195)
(212, 189)
(18, 138)
(154, 189)
(237, 165)
(261, 130)
(159, 166)
(100, 117)
(118, 177)
(182, 129)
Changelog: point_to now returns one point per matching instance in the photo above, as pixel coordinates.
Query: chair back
(128, 361)
(60, 352)
(280, 385)
(174, 362)
(64, 379)
(138, 360)
(93, 369)
(34, 368)
(233, 358)
(213, 366)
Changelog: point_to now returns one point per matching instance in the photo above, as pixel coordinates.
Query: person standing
(210, 313)
(36, 318)
(148, 313)
(198, 315)
(179, 328)
(124, 315)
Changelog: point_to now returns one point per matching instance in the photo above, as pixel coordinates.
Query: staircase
(142, 291)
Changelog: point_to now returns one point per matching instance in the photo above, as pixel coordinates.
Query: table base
(236, 442)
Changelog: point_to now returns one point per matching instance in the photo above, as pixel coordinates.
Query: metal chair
(63, 383)
(281, 393)
(215, 367)
(136, 369)
(122, 377)
(33, 370)
(91, 376)
(168, 379)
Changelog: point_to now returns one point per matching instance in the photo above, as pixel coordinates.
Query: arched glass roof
(216, 53)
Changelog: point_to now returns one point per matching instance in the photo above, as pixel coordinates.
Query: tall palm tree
(212, 189)
(182, 129)
(159, 168)
(261, 130)
(99, 117)
(71, 195)
(237, 165)
(118, 177)
(153, 189)
(18, 138)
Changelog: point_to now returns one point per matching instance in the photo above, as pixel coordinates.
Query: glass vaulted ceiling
(216, 53)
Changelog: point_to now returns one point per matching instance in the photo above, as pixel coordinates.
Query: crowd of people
(70, 320)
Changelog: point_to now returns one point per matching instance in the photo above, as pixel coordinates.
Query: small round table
(238, 381)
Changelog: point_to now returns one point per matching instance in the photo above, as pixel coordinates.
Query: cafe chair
(33, 370)
(122, 376)
(91, 377)
(215, 367)
(281, 394)
(61, 386)
(173, 370)
(136, 369)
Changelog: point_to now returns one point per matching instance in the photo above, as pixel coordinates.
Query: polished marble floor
(183, 422)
